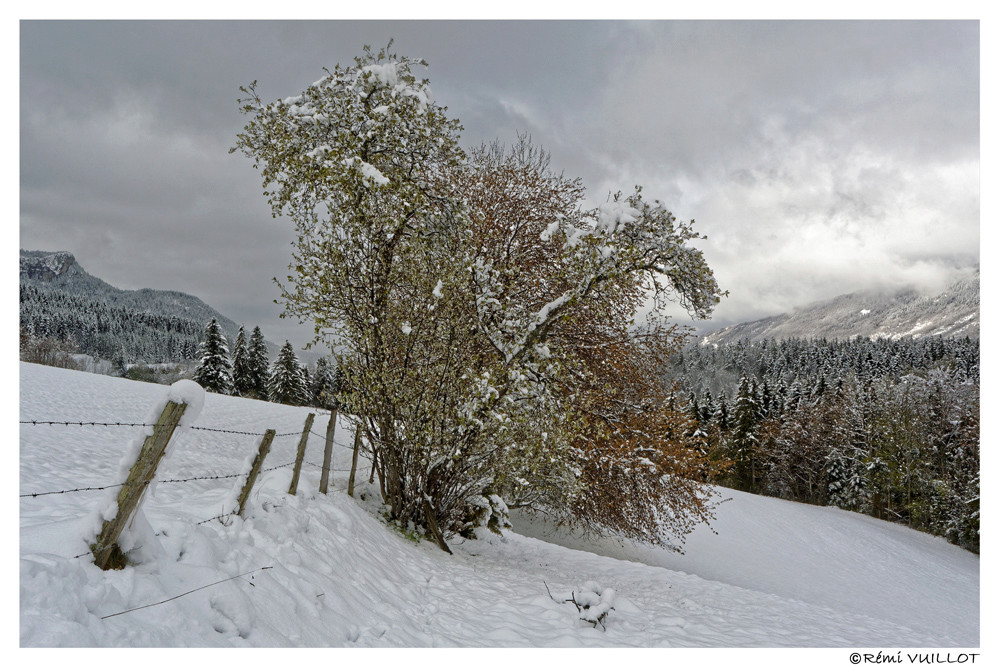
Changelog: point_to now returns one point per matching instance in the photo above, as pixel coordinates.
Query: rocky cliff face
(45, 266)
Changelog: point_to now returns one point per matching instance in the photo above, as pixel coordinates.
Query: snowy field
(776, 574)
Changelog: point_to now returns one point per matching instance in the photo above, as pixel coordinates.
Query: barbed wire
(222, 430)
(338, 444)
(52, 493)
(198, 523)
(316, 465)
(153, 604)
(36, 422)
(39, 422)
(159, 481)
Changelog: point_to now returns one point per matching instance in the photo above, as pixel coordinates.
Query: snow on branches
(459, 289)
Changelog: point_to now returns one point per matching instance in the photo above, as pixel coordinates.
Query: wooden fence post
(107, 554)
(354, 460)
(324, 478)
(301, 454)
(265, 446)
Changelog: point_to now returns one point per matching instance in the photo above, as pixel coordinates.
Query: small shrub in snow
(594, 602)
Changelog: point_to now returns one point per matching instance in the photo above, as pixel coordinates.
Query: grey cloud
(818, 156)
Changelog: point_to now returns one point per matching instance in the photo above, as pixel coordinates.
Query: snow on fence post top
(191, 394)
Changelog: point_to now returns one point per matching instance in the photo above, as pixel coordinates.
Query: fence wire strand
(39, 422)
(155, 481)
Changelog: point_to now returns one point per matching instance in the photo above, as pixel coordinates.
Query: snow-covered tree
(323, 387)
(287, 382)
(242, 378)
(453, 287)
(215, 371)
(743, 438)
(257, 366)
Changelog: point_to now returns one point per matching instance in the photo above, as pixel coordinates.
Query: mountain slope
(60, 299)
(61, 271)
(775, 574)
(954, 312)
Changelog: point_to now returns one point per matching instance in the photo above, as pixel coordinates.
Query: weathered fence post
(324, 478)
(301, 454)
(354, 460)
(265, 446)
(107, 554)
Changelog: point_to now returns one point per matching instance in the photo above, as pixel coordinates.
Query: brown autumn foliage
(641, 474)
(642, 470)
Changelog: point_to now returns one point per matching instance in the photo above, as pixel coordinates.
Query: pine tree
(323, 387)
(707, 408)
(721, 416)
(307, 381)
(743, 437)
(215, 372)
(287, 383)
(766, 400)
(258, 366)
(847, 484)
(242, 377)
(819, 388)
(694, 411)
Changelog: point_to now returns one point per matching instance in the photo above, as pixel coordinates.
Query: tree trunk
(354, 460)
(432, 524)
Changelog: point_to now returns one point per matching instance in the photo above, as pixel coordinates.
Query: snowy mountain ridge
(59, 298)
(60, 271)
(871, 314)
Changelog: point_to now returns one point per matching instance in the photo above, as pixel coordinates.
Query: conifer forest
(884, 427)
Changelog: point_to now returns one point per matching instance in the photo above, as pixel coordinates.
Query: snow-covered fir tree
(215, 372)
(847, 485)
(257, 366)
(242, 378)
(287, 383)
(743, 438)
(323, 387)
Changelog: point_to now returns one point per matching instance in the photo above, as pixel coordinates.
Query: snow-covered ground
(776, 574)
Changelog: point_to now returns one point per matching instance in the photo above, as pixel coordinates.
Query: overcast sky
(819, 157)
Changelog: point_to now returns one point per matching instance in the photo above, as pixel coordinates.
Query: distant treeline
(120, 334)
(889, 428)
